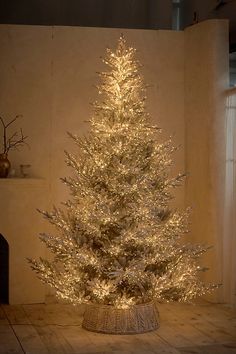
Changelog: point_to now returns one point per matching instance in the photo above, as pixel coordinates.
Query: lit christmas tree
(118, 241)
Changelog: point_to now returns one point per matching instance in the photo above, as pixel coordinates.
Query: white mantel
(20, 225)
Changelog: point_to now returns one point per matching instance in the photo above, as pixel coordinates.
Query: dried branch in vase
(14, 141)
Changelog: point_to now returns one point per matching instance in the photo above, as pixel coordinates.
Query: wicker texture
(107, 319)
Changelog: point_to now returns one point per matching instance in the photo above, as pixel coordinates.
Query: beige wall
(76, 59)
(206, 79)
(48, 75)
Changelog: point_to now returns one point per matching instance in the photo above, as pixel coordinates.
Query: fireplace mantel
(22, 181)
(20, 225)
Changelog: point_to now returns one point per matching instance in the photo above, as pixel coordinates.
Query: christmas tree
(118, 242)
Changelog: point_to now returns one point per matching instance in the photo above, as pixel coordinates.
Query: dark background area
(150, 14)
(4, 271)
(94, 13)
(145, 14)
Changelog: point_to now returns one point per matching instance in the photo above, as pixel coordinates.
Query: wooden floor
(53, 328)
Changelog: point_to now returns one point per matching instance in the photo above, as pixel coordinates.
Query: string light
(118, 241)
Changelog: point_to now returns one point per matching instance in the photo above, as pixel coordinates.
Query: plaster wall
(48, 75)
(74, 77)
(206, 81)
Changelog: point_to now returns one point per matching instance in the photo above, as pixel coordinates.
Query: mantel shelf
(22, 181)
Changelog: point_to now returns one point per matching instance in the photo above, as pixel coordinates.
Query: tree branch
(12, 142)
(13, 120)
(4, 136)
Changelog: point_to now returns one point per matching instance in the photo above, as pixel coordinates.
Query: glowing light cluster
(118, 241)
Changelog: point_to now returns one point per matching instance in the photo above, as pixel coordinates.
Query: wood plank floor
(56, 329)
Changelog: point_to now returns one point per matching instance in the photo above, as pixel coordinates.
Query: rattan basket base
(107, 319)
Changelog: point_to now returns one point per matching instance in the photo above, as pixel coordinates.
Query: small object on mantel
(12, 173)
(24, 170)
(4, 166)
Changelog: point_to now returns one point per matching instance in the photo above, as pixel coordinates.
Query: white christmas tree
(118, 241)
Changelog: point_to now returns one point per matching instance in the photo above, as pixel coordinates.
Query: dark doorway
(4, 271)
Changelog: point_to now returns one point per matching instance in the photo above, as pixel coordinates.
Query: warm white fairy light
(118, 241)
(124, 302)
